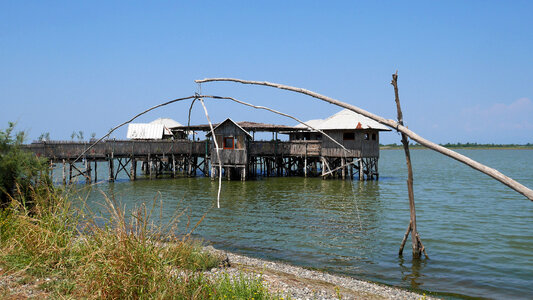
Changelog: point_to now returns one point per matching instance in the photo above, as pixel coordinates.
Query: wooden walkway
(263, 158)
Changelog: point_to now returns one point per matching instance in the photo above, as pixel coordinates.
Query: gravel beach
(300, 283)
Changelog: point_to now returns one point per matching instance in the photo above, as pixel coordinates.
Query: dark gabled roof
(226, 121)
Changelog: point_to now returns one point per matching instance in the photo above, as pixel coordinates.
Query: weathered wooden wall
(361, 147)
(291, 148)
(236, 157)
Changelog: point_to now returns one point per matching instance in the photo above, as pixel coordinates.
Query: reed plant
(75, 255)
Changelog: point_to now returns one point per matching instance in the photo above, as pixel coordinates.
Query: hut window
(373, 136)
(348, 136)
(366, 137)
(229, 142)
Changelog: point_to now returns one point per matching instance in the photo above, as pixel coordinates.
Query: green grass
(125, 259)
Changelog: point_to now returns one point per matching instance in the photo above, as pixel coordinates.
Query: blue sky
(465, 67)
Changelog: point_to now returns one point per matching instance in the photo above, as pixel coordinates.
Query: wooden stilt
(305, 166)
(213, 172)
(361, 173)
(111, 169)
(95, 171)
(133, 169)
(173, 166)
(343, 170)
(87, 171)
(64, 173)
(70, 173)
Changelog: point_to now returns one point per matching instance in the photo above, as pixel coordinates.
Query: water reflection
(412, 271)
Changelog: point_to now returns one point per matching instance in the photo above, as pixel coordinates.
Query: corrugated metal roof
(345, 119)
(142, 131)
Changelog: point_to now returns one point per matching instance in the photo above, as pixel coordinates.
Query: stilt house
(357, 133)
(232, 141)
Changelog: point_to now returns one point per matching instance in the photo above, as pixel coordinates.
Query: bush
(22, 174)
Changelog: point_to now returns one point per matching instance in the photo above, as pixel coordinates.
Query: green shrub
(22, 174)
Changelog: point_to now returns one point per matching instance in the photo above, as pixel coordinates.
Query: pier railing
(70, 150)
(117, 148)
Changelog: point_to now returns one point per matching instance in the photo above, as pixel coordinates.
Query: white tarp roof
(143, 131)
(345, 119)
(167, 122)
(313, 123)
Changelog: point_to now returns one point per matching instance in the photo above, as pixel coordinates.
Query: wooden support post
(111, 168)
(87, 172)
(228, 173)
(343, 162)
(416, 242)
(305, 166)
(133, 170)
(376, 167)
(173, 166)
(322, 160)
(361, 173)
(243, 173)
(213, 172)
(64, 173)
(95, 171)
(150, 166)
(70, 173)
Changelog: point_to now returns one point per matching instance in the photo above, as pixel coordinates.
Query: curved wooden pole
(528, 193)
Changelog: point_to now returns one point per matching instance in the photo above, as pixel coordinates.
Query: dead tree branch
(217, 150)
(130, 120)
(279, 113)
(416, 243)
(528, 193)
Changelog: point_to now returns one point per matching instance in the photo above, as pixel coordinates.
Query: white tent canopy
(167, 122)
(345, 119)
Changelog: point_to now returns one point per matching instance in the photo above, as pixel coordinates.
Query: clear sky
(465, 67)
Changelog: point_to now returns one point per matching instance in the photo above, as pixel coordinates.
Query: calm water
(478, 233)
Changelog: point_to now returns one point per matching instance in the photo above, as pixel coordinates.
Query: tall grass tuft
(128, 257)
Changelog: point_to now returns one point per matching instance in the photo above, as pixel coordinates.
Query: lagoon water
(478, 233)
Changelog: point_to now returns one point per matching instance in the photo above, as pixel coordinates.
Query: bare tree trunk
(416, 242)
(398, 127)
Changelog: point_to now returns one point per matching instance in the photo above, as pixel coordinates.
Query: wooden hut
(232, 141)
(358, 134)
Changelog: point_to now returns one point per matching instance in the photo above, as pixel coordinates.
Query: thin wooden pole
(70, 173)
(64, 173)
(361, 167)
(528, 193)
(416, 243)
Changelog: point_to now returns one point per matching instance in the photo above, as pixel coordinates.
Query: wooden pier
(346, 152)
(198, 158)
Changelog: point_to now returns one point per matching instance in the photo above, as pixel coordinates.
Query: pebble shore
(300, 283)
